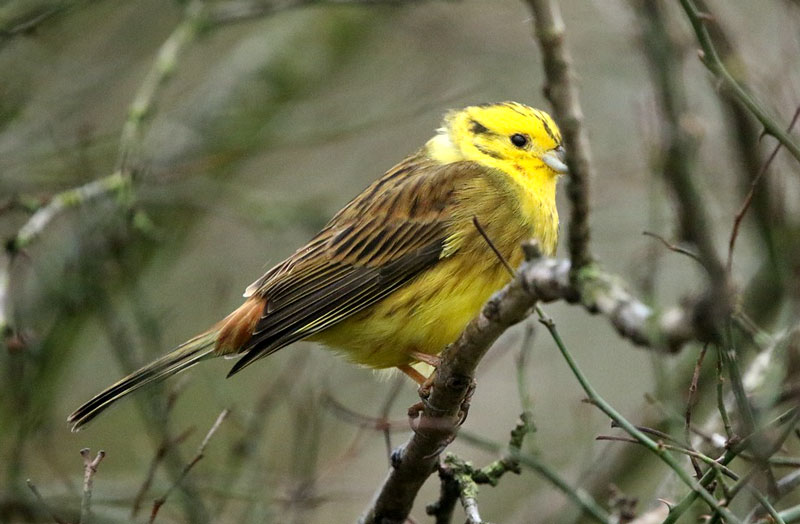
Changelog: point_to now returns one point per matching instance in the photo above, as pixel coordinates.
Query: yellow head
(508, 136)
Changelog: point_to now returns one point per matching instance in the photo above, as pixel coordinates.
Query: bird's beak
(554, 159)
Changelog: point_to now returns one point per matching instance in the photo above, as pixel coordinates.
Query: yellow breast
(431, 311)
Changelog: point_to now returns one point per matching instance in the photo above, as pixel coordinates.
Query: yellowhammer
(397, 273)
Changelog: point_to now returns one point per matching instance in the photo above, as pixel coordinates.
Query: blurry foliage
(263, 128)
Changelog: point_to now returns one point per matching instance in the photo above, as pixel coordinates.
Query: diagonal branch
(545, 280)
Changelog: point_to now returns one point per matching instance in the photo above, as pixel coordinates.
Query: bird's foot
(464, 409)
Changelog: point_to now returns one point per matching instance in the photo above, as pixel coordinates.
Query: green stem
(714, 64)
(580, 497)
(654, 447)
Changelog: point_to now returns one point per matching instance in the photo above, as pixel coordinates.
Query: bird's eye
(519, 140)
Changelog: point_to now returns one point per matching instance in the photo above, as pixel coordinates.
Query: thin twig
(493, 247)
(723, 410)
(577, 495)
(350, 416)
(161, 452)
(198, 456)
(748, 199)
(44, 504)
(674, 247)
(89, 469)
(690, 402)
(734, 449)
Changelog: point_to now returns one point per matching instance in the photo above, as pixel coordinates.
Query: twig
(391, 397)
(460, 479)
(493, 247)
(144, 99)
(562, 93)
(723, 411)
(577, 495)
(690, 402)
(522, 360)
(60, 203)
(198, 456)
(748, 199)
(712, 61)
(674, 247)
(734, 448)
(89, 469)
(629, 428)
(161, 452)
(358, 419)
(44, 504)
(234, 11)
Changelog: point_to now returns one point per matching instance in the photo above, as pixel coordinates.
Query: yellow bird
(397, 273)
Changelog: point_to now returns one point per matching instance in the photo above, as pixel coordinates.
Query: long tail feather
(184, 356)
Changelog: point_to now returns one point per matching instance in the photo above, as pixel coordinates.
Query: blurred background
(257, 132)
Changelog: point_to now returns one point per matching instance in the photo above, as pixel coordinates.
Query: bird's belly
(425, 315)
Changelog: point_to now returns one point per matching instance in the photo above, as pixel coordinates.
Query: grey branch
(89, 469)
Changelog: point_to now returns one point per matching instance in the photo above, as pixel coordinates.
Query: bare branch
(748, 199)
(89, 469)
(198, 456)
(561, 91)
(44, 504)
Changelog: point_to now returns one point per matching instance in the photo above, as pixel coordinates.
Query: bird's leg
(413, 374)
(422, 380)
(434, 362)
(431, 360)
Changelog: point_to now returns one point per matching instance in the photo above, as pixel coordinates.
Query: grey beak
(554, 159)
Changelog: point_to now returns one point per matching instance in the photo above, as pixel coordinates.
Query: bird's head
(508, 136)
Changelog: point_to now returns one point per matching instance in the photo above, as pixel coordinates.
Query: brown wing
(390, 233)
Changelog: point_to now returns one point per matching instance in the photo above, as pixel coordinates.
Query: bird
(398, 272)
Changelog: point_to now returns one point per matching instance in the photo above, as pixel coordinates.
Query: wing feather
(385, 237)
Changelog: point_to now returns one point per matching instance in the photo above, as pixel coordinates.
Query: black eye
(519, 140)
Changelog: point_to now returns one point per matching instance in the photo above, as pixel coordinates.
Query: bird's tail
(184, 356)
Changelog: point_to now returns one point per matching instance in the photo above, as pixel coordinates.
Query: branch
(460, 479)
(198, 456)
(656, 448)
(679, 146)
(242, 10)
(43, 503)
(562, 93)
(544, 280)
(89, 469)
(748, 199)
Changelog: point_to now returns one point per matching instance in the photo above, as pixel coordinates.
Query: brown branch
(561, 91)
(544, 280)
(355, 418)
(673, 247)
(159, 456)
(748, 199)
